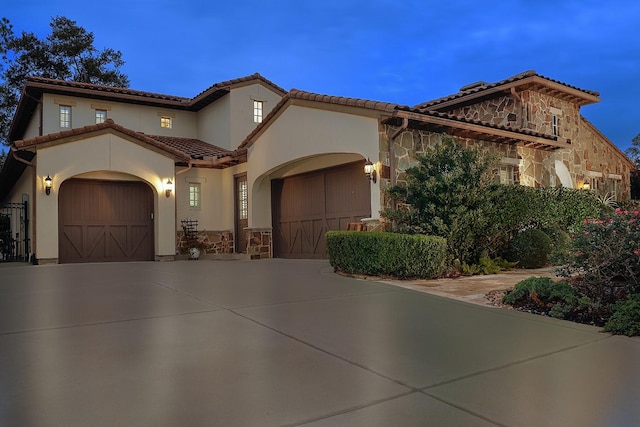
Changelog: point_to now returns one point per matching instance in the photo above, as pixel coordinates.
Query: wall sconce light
(168, 188)
(370, 171)
(586, 186)
(48, 183)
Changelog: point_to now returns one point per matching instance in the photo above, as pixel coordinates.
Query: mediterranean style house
(110, 174)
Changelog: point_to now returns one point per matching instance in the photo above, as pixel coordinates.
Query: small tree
(67, 53)
(448, 195)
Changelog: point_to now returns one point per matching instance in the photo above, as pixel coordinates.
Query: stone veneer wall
(215, 242)
(591, 151)
(259, 243)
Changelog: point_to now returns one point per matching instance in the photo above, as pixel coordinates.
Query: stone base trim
(45, 261)
(259, 243)
(164, 258)
(210, 242)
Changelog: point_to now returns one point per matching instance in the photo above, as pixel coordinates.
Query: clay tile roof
(479, 87)
(233, 82)
(340, 100)
(108, 124)
(107, 89)
(195, 148)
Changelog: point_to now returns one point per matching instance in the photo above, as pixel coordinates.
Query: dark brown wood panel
(306, 206)
(101, 221)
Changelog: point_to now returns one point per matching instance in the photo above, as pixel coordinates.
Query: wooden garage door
(306, 206)
(103, 221)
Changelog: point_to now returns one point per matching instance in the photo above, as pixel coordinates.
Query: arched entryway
(102, 221)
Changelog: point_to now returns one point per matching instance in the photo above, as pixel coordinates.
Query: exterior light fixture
(48, 183)
(168, 188)
(586, 186)
(370, 171)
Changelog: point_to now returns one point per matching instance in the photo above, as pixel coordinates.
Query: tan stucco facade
(538, 132)
(304, 139)
(107, 156)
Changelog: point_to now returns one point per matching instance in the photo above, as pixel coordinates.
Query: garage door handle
(151, 216)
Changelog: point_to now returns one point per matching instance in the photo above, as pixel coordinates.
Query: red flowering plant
(604, 258)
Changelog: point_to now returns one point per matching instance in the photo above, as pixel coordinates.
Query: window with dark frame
(554, 125)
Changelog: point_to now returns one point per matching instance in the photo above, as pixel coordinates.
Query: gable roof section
(183, 150)
(79, 133)
(338, 103)
(220, 89)
(528, 80)
(36, 86)
(435, 120)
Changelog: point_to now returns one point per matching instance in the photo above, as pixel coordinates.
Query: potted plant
(195, 249)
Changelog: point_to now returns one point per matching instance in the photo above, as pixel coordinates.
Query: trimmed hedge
(387, 254)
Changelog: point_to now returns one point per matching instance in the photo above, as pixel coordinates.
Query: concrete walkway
(273, 342)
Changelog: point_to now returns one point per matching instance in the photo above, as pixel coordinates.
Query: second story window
(65, 116)
(166, 122)
(257, 111)
(194, 195)
(101, 116)
(554, 125)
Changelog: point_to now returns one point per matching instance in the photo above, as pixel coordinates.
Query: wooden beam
(480, 129)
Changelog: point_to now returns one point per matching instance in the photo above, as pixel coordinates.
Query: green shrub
(446, 194)
(626, 317)
(387, 254)
(558, 299)
(485, 265)
(530, 248)
(604, 262)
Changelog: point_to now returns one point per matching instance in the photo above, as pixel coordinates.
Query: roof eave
(582, 97)
(486, 132)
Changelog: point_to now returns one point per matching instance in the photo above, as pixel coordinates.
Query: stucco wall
(104, 153)
(212, 205)
(137, 117)
(214, 123)
(301, 138)
(241, 104)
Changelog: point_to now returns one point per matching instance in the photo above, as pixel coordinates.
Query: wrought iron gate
(14, 231)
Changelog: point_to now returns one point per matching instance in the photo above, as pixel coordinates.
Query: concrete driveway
(274, 342)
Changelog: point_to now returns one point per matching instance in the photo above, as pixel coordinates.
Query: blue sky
(403, 51)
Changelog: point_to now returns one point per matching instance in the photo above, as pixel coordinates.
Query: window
(65, 116)
(257, 111)
(243, 200)
(554, 125)
(165, 122)
(194, 195)
(613, 185)
(101, 116)
(508, 174)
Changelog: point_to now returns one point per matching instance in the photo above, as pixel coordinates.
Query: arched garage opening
(103, 221)
(307, 205)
